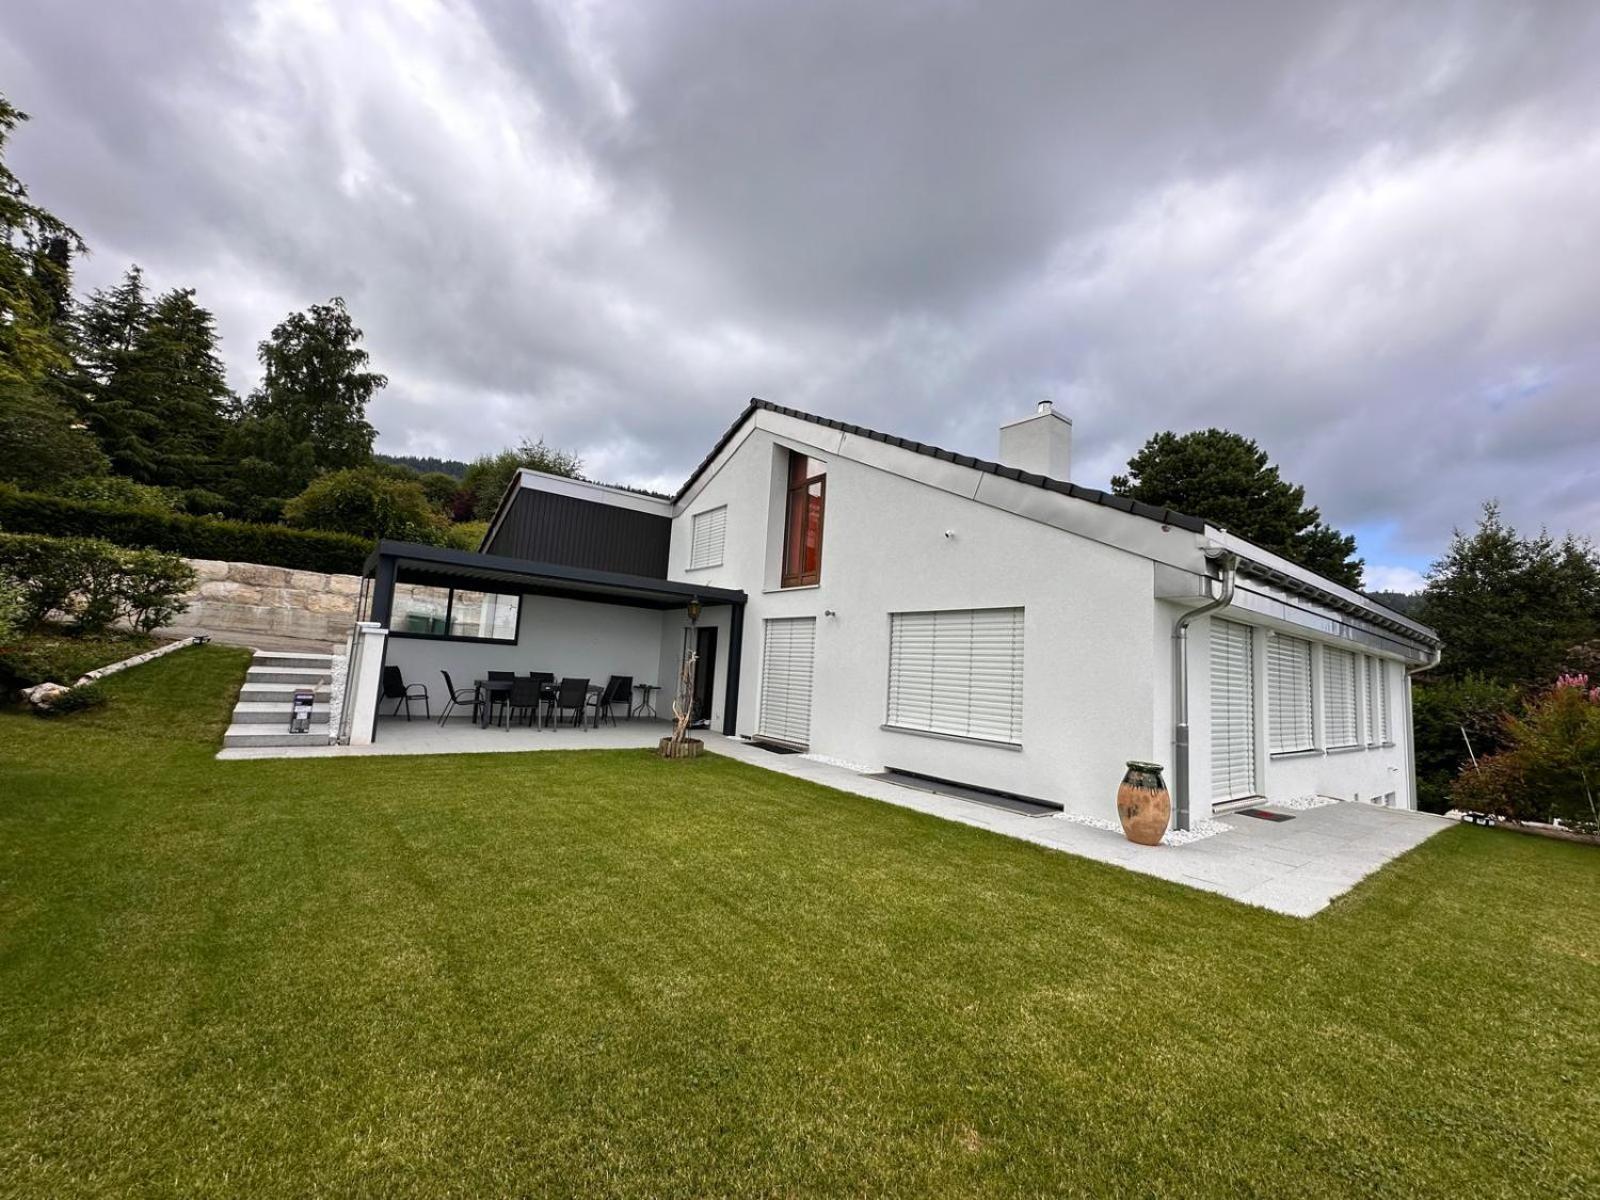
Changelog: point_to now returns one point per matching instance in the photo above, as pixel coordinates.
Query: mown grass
(604, 974)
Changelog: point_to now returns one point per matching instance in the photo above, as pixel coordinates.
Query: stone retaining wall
(247, 598)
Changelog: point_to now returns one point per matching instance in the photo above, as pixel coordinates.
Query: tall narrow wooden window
(802, 526)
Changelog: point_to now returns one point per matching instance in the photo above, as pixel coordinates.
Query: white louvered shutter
(1339, 678)
(1385, 731)
(1370, 677)
(708, 531)
(1233, 711)
(1289, 694)
(957, 672)
(788, 647)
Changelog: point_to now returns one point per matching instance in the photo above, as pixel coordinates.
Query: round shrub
(370, 503)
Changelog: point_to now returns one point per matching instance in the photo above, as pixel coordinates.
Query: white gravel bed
(1173, 837)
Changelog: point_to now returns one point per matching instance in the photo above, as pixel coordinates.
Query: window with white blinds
(1385, 733)
(1289, 694)
(707, 531)
(957, 672)
(1233, 710)
(1339, 694)
(788, 649)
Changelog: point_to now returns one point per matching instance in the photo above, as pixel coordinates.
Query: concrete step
(300, 675)
(271, 658)
(281, 694)
(239, 737)
(250, 712)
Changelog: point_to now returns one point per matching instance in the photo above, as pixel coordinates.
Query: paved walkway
(1294, 867)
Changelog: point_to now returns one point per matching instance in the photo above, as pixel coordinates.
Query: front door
(703, 640)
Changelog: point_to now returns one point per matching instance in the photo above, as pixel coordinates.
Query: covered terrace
(428, 611)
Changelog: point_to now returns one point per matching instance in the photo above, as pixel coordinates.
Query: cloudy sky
(1367, 235)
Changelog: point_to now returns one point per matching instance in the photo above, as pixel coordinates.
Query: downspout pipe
(1411, 721)
(1180, 688)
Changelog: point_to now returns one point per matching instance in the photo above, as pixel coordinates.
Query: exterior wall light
(694, 610)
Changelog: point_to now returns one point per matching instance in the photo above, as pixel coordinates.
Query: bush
(13, 612)
(57, 654)
(195, 537)
(118, 490)
(1551, 768)
(367, 502)
(468, 535)
(94, 582)
(86, 695)
(1441, 710)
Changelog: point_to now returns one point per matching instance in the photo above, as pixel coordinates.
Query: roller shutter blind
(1289, 694)
(708, 531)
(1370, 675)
(1233, 711)
(957, 672)
(1385, 732)
(1339, 683)
(788, 647)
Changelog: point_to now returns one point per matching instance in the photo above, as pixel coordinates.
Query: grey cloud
(1360, 233)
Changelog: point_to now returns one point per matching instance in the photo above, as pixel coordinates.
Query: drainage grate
(1025, 806)
(1261, 814)
(775, 747)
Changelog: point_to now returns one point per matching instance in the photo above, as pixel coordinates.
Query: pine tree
(1227, 479)
(186, 387)
(118, 406)
(35, 255)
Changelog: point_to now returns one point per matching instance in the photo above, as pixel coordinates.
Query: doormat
(1261, 814)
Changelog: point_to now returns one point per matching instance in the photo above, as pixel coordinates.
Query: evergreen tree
(183, 374)
(35, 258)
(1512, 609)
(118, 405)
(309, 413)
(1226, 479)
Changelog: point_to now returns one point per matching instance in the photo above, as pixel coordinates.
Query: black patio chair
(499, 696)
(397, 689)
(524, 698)
(546, 682)
(457, 696)
(573, 696)
(617, 690)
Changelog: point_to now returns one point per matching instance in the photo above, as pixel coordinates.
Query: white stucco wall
(1097, 644)
(564, 637)
(1088, 653)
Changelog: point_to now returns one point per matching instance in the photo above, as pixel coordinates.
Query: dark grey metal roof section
(1371, 610)
(540, 526)
(1150, 512)
(428, 563)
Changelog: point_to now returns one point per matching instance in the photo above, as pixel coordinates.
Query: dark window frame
(449, 616)
(798, 491)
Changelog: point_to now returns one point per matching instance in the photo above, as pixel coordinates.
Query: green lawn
(595, 974)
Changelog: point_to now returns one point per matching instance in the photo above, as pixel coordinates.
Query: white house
(896, 606)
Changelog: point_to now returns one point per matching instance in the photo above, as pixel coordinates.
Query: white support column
(364, 685)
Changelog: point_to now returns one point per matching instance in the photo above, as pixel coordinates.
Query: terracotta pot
(688, 748)
(1143, 804)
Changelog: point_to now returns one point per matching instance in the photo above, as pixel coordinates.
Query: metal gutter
(1180, 688)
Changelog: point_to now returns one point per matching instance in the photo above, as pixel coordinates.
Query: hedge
(193, 537)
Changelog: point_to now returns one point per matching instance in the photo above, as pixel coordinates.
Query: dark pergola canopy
(435, 566)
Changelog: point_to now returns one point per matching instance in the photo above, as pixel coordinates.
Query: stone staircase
(261, 717)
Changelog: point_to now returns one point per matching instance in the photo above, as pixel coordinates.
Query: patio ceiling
(405, 562)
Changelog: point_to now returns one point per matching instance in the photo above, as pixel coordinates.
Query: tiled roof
(1150, 512)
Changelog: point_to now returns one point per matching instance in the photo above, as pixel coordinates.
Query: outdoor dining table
(489, 688)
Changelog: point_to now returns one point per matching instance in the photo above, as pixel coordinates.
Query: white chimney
(1041, 444)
